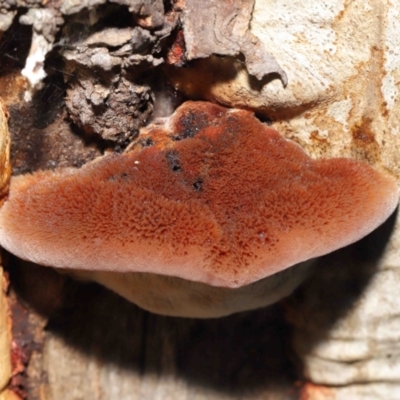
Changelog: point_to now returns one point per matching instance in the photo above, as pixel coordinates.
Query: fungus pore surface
(209, 194)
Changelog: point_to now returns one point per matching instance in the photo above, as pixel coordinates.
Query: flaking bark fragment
(222, 27)
(102, 67)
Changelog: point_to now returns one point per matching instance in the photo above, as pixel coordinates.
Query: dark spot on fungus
(189, 125)
(198, 185)
(260, 206)
(147, 142)
(173, 161)
(119, 177)
(193, 121)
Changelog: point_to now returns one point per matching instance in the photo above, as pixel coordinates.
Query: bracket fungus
(209, 195)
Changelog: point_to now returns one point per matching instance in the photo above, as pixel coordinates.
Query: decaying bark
(106, 62)
(223, 28)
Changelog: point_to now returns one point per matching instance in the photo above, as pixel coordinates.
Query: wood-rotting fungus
(209, 195)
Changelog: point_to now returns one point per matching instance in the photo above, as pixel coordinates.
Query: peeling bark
(223, 28)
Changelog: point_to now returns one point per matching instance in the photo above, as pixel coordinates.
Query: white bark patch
(340, 111)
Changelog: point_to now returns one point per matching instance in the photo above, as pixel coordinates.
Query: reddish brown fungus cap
(210, 195)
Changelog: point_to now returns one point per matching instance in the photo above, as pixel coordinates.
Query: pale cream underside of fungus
(169, 295)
